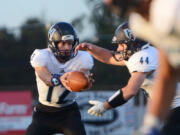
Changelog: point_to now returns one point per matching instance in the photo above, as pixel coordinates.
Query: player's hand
(90, 81)
(97, 109)
(83, 47)
(147, 131)
(64, 80)
(55, 80)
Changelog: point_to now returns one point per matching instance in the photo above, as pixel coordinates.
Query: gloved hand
(97, 109)
(90, 81)
(55, 80)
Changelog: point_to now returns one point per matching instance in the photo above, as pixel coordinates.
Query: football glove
(55, 80)
(97, 109)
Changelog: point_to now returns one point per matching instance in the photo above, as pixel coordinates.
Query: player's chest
(56, 67)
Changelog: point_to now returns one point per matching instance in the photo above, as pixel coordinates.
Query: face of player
(65, 48)
(120, 52)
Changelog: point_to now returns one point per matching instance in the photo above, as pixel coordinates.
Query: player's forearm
(124, 94)
(164, 88)
(44, 75)
(101, 54)
(106, 105)
(115, 100)
(134, 84)
(158, 106)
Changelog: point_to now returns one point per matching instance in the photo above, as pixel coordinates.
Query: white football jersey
(58, 96)
(145, 60)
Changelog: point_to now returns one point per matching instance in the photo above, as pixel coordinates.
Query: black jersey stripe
(63, 96)
(49, 95)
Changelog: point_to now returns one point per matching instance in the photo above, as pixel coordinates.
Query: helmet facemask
(125, 53)
(62, 32)
(64, 55)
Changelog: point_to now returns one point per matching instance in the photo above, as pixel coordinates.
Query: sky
(13, 13)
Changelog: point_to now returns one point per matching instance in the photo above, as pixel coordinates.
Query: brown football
(77, 81)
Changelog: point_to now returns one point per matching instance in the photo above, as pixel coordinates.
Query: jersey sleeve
(142, 62)
(85, 61)
(38, 58)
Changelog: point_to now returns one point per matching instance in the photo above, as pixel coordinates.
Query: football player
(158, 21)
(57, 110)
(139, 57)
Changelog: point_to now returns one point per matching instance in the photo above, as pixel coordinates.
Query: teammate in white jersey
(140, 58)
(57, 110)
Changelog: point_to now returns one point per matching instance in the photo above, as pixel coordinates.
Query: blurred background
(23, 28)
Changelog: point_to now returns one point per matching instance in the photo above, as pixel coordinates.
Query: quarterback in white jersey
(57, 110)
(52, 96)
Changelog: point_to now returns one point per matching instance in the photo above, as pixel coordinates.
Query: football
(77, 81)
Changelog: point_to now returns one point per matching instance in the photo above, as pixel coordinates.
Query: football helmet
(123, 35)
(62, 32)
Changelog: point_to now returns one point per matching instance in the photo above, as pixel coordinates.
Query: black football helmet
(124, 35)
(62, 32)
